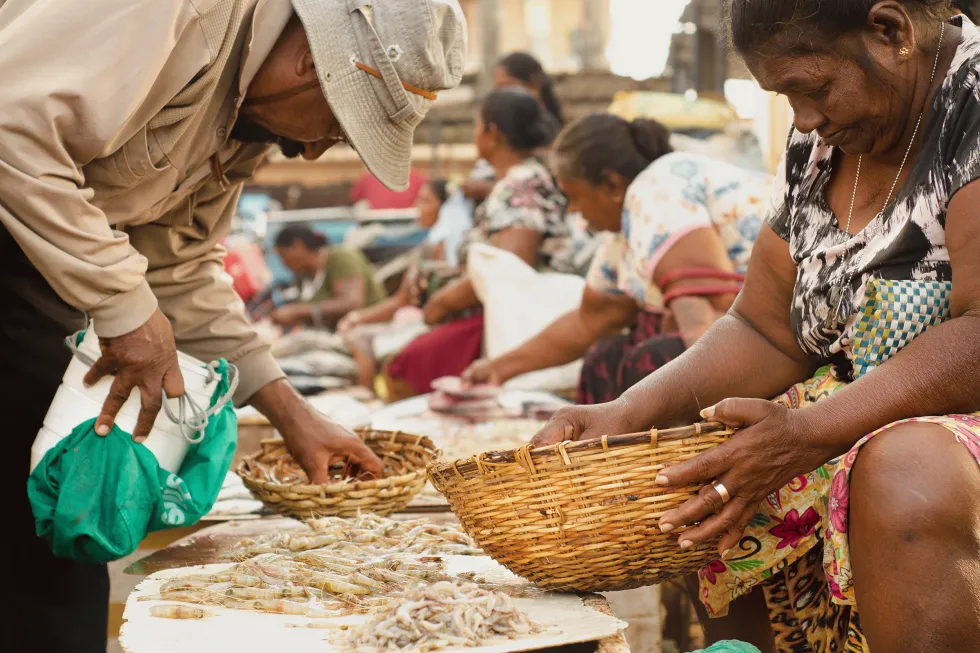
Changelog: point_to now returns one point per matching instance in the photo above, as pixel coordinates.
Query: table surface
(207, 545)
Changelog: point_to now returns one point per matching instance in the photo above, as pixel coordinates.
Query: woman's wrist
(823, 432)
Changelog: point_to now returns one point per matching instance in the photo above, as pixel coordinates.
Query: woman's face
(601, 205)
(428, 205)
(503, 79)
(862, 108)
(484, 138)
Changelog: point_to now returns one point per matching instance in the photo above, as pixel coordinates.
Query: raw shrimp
(441, 615)
(175, 611)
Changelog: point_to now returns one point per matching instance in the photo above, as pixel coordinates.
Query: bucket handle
(190, 417)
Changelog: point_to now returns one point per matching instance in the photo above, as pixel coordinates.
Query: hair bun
(652, 139)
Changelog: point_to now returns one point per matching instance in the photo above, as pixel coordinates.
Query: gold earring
(904, 52)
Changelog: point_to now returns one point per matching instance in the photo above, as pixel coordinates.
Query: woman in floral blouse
(678, 230)
(524, 214)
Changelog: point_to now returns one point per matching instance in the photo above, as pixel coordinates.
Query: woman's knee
(911, 480)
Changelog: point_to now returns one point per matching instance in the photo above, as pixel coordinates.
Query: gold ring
(722, 491)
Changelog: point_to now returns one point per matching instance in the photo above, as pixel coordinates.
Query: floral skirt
(796, 547)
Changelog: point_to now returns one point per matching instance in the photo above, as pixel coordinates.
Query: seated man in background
(333, 280)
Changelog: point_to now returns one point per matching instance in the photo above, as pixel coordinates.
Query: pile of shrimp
(444, 614)
(286, 471)
(314, 584)
(366, 534)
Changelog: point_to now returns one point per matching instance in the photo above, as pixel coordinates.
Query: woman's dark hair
(811, 24)
(519, 117)
(525, 68)
(441, 188)
(303, 234)
(601, 143)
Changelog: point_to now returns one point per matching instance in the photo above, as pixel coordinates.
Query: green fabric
(730, 647)
(96, 498)
(344, 263)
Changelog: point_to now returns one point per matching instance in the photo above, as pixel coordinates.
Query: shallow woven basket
(404, 456)
(580, 516)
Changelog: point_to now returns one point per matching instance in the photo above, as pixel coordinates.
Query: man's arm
(186, 272)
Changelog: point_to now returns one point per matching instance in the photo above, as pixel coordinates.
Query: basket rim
(652, 436)
(323, 489)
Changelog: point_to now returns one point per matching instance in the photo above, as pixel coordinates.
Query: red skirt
(445, 351)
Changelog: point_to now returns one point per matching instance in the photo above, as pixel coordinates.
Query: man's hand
(290, 315)
(313, 440)
(146, 359)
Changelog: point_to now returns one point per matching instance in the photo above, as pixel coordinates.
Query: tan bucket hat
(381, 64)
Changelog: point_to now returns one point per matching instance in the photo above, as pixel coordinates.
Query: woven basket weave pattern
(580, 516)
(405, 458)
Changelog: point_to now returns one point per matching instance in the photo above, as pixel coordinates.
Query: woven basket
(404, 456)
(580, 516)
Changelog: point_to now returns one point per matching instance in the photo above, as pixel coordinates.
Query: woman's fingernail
(724, 554)
(708, 412)
(686, 544)
(102, 429)
(666, 528)
(661, 480)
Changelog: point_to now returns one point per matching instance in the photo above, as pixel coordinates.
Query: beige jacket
(111, 114)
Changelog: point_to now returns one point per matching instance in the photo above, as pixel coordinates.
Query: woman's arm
(693, 315)
(477, 190)
(565, 340)
(384, 311)
(749, 352)
(933, 375)
(460, 294)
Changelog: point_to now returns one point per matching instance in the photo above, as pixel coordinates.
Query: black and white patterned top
(908, 241)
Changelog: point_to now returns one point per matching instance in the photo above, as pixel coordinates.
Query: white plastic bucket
(74, 404)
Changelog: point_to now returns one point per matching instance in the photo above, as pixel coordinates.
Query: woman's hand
(348, 322)
(146, 359)
(481, 372)
(588, 423)
(772, 447)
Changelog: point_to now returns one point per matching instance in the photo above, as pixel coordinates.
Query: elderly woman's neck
(504, 159)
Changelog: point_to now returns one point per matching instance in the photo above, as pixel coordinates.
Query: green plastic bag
(730, 646)
(96, 498)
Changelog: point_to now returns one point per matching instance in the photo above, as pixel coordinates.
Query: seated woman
(333, 280)
(448, 216)
(680, 229)
(857, 490)
(524, 214)
(516, 70)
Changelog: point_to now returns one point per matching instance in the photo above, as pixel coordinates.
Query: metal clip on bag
(96, 498)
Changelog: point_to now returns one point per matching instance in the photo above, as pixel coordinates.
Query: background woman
(448, 216)
(680, 229)
(524, 214)
(865, 494)
(520, 70)
(333, 280)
